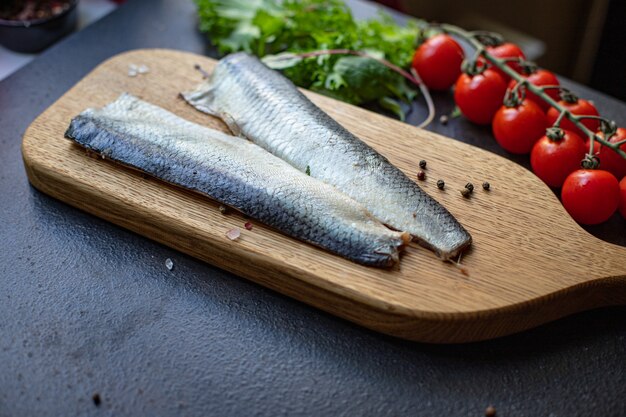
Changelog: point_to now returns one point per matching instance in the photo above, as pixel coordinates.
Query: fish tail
(202, 98)
(389, 254)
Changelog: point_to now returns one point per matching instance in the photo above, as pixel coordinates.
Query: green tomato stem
(557, 123)
(550, 87)
(589, 116)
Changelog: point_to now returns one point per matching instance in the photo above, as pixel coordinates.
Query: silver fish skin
(265, 107)
(237, 173)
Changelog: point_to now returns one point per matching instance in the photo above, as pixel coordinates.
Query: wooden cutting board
(530, 262)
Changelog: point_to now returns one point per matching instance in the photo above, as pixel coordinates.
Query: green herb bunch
(270, 27)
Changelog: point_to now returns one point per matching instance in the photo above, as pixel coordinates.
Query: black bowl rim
(36, 22)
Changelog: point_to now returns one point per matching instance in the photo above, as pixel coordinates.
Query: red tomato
(518, 128)
(438, 62)
(540, 78)
(609, 159)
(622, 197)
(505, 51)
(590, 196)
(480, 96)
(553, 160)
(581, 107)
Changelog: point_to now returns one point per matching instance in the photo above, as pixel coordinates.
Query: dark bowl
(36, 35)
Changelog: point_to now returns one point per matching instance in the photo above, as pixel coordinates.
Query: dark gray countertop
(87, 307)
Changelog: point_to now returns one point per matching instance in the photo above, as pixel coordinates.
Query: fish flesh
(265, 107)
(237, 173)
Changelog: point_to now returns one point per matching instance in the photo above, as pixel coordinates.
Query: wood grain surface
(530, 262)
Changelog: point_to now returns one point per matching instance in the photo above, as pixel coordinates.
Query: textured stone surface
(87, 307)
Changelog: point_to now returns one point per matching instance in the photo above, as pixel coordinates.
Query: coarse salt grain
(233, 234)
(169, 264)
(134, 70)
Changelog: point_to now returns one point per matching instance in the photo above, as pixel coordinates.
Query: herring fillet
(265, 107)
(237, 173)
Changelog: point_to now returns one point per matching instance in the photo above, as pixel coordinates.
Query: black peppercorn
(423, 164)
(441, 184)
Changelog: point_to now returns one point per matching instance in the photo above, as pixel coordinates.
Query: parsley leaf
(270, 27)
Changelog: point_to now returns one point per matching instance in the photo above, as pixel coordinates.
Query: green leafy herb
(308, 170)
(269, 27)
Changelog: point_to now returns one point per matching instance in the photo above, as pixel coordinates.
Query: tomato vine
(481, 41)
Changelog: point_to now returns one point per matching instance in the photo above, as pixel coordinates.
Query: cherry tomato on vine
(480, 96)
(554, 158)
(505, 51)
(438, 62)
(579, 107)
(622, 197)
(518, 128)
(590, 196)
(540, 78)
(609, 159)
